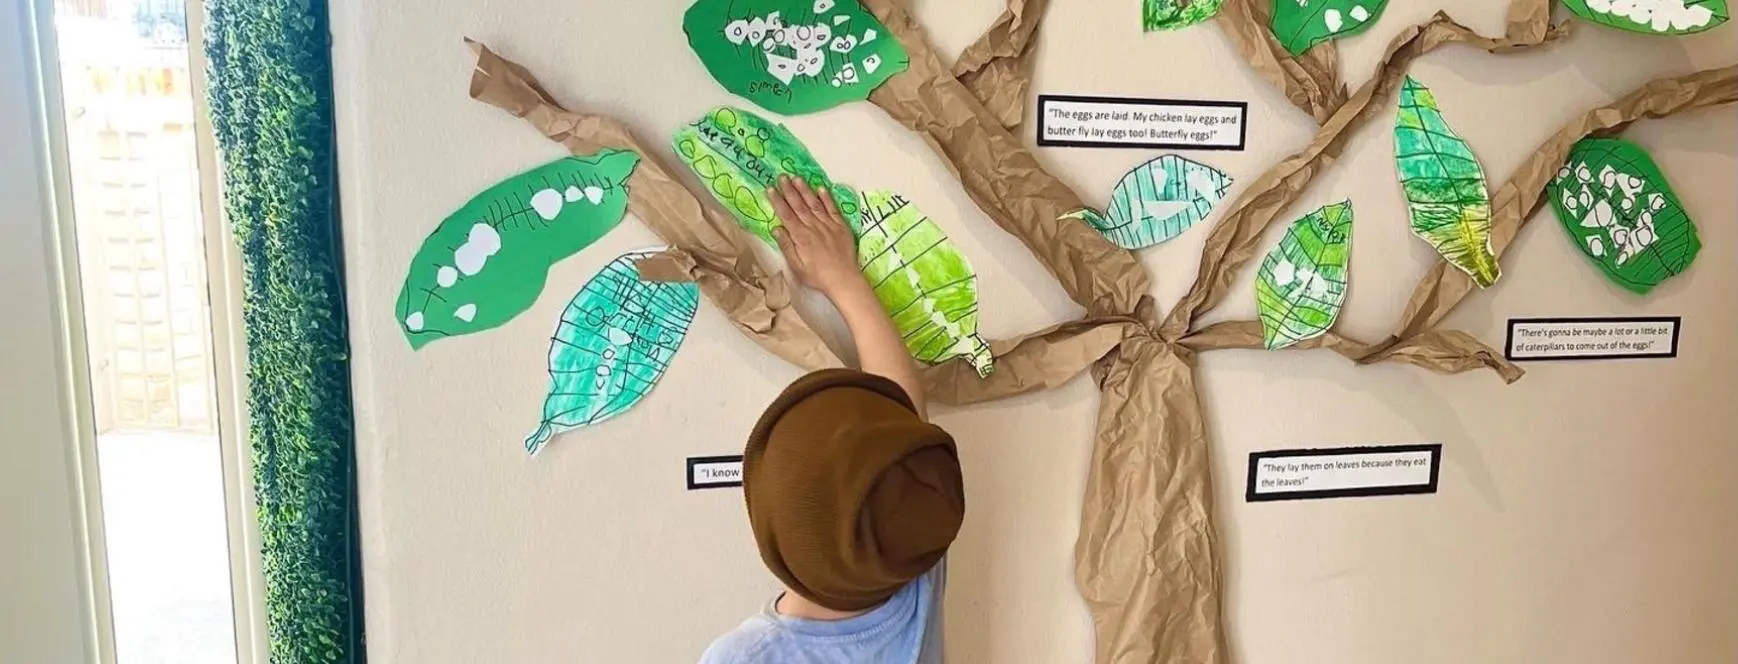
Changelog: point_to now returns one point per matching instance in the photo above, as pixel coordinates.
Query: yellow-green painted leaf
(1619, 210)
(1444, 186)
(1301, 285)
(924, 282)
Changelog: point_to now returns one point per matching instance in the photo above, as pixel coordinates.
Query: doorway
(169, 491)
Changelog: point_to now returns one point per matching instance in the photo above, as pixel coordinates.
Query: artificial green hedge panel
(271, 106)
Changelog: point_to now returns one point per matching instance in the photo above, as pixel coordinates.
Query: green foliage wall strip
(271, 106)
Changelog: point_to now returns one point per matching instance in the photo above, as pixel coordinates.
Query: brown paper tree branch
(1441, 351)
(997, 68)
(1147, 562)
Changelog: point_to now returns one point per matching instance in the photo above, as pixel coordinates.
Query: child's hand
(822, 254)
(814, 238)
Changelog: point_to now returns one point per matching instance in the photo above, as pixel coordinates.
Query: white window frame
(229, 351)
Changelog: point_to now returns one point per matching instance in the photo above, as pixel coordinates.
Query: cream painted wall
(1586, 514)
(45, 605)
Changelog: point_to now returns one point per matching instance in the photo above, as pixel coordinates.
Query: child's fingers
(812, 201)
(795, 212)
(786, 246)
(781, 205)
(832, 208)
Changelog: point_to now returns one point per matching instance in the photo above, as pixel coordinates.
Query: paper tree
(1151, 469)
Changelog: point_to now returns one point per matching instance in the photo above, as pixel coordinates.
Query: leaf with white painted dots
(1621, 213)
(1300, 24)
(793, 56)
(486, 263)
(1302, 283)
(615, 339)
(1653, 17)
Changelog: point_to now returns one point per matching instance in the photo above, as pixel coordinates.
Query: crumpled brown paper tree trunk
(1147, 561)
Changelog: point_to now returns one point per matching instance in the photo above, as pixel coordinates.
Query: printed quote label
(714, 472)
(1343, 472)
(1592, 338)
(1070, 121)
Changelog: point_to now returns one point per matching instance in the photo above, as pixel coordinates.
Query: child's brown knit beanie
(850, 494)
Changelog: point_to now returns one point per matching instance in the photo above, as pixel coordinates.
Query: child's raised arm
(822, 254)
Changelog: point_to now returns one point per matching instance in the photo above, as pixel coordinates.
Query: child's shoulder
(742, 645)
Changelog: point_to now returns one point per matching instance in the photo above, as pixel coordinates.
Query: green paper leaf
(1444, 185)
(1157, 201)
(616, 338)
(1620, 211)
(738, 155)
(1300, 24)
(793, 56)
(923, 281)
(487, 262)
(1302, 283)
(1175, 14)
(1653, 17)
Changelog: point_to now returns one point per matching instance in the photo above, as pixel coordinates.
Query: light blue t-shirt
(905, 630)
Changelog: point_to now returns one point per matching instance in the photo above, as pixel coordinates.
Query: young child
(852, 495)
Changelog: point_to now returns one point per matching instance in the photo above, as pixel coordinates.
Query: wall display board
(1396, 130)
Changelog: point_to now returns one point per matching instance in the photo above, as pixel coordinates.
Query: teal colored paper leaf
(1302, 283)
(1301, 24)
(1157, 201)
(1175, 14)
(737, 155)
(793, 56)
(486, 263)
(1653, 17)
(924, 282)
(1619, 210)
(615, 339)
(1444, 185)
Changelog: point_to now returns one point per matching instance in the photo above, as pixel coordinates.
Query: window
(150, 253)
